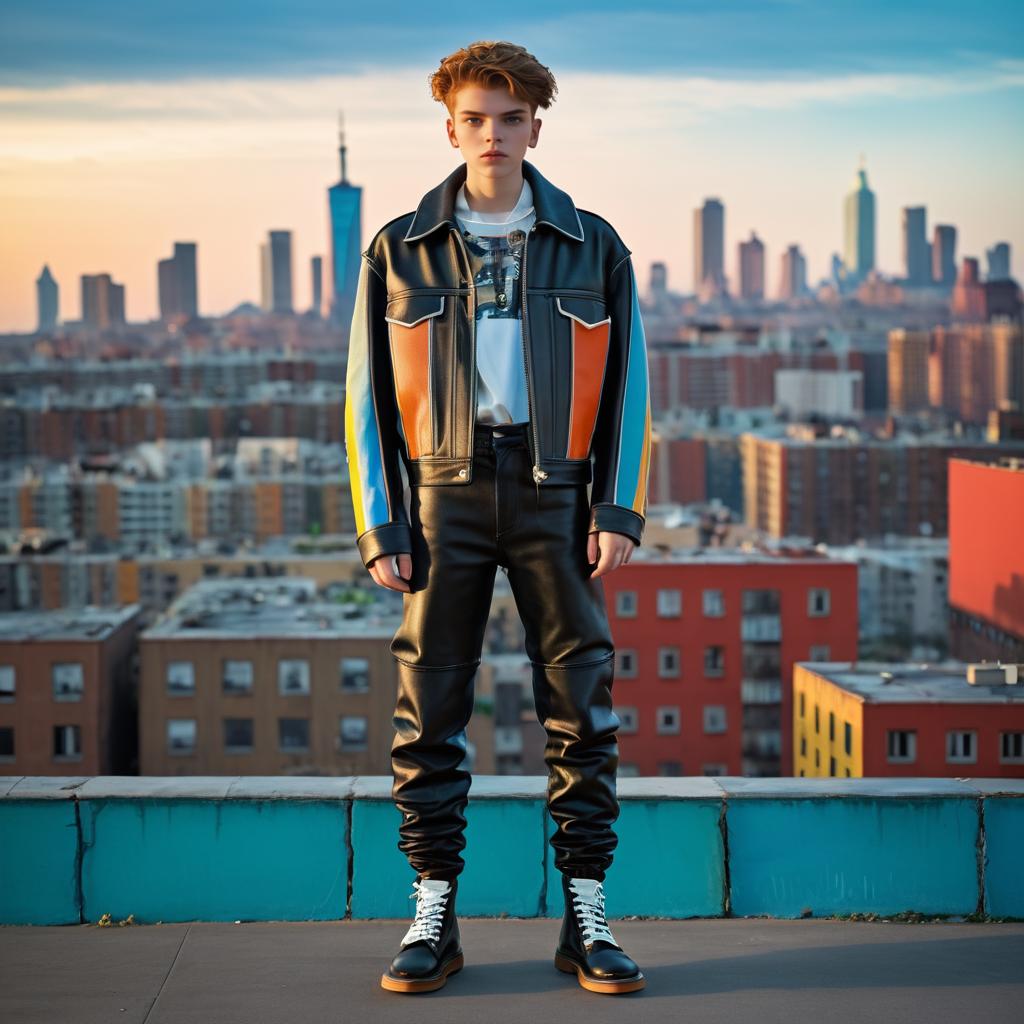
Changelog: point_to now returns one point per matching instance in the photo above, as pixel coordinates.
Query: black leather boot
(431, 948)
(586, 944)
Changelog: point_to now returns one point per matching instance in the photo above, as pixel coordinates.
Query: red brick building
(705, 648)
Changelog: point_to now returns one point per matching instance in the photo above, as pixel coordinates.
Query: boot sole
(563, 963)
(393, 984)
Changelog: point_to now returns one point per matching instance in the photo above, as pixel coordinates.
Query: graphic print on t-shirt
(496, 261)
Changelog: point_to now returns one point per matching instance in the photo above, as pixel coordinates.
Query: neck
(493, 195)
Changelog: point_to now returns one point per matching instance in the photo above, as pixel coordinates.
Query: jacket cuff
(388, 539)
(617, 519)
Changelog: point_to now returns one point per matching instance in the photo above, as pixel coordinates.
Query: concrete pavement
(698, 970)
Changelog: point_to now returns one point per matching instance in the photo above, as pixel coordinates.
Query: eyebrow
(480, 113)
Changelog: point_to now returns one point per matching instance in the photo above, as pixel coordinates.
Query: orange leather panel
(410, 355)
(589, 356)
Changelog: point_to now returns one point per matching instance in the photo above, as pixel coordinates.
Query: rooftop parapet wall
(278, 848)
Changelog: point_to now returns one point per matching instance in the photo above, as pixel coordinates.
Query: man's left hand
(609, 550)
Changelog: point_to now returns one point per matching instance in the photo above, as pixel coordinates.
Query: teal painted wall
(223, 849)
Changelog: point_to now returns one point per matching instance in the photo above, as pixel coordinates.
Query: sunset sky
(127, 126)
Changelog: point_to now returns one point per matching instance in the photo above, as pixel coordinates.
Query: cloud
(202, 117)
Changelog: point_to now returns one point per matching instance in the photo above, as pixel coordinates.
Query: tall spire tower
(345, 203)
(341, 146)
(859, 227)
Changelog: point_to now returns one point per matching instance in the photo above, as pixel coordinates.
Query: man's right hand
(382, 569)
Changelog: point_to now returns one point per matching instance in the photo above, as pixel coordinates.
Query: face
(492, 119)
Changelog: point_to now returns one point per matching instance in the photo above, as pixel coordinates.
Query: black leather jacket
(411, 378)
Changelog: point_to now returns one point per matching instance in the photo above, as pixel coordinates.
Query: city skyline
(101, 178)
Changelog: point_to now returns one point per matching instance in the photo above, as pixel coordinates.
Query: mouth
(493, 156)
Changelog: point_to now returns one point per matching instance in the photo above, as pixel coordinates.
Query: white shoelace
(588, 900)
(431, 895)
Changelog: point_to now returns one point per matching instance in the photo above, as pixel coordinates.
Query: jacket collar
(553, 206)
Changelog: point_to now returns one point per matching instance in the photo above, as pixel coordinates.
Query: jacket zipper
(538, 473)
(472, 341)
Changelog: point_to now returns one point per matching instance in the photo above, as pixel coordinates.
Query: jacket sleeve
(622, 435)
(372, 439)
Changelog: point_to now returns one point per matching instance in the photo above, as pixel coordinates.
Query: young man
(497, 350)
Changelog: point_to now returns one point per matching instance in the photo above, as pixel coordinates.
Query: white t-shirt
(495, 259)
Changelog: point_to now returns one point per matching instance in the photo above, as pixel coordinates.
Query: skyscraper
(102, 301)
(47, 300)
(944, 255)
(709, 247)
(345, 203)
(917, 265)
(751, 262)
(859, 220)
(793, 274)
(276, 272)
(177, 284)
(316, 270)
(998, 258)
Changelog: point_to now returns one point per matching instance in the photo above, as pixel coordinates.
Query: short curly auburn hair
(491, 64)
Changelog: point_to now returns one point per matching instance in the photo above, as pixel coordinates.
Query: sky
(127, 126)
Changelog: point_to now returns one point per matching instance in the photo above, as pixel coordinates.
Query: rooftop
(696, 970)
(87, 623)
(902, 683)
(276, 606)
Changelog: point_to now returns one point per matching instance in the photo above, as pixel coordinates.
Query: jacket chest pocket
(583, 322)
(414, 322)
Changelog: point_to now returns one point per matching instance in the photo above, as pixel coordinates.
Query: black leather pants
(460, 536)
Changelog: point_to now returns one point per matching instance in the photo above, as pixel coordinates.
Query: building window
(901, 746)
(627, 667)
(847, 737)
(832, 767)
(714, 769)
(625, 604)
(181, 736)
(802, 705)
(237, 677)
(670, 768)
(293, 678)
(714, 718)
(68, 681)
(713, 603)
(832, 726)
(353, 732)
(803, 746)
(667, 721)
(714, 660)
(817, 720)
(238, 733)
(67, 742)
(1011, 747)
(8, 687)
(628, 770)
(7, 741)
(817, 758)
(961, 746)
(181, 679)
(670, 604)
(820, 652)
(668, 662)
(293, 735)
(355, 675)
(818, 601)
(627, 719)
